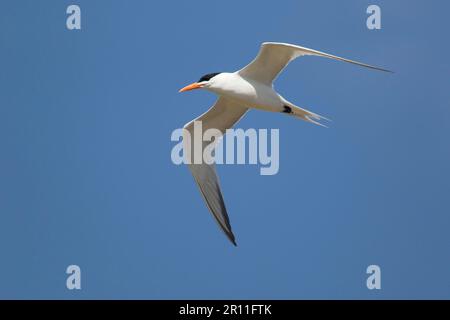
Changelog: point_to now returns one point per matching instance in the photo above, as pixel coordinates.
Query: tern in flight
(250, 87)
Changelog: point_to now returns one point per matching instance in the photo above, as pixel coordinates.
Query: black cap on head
(208, 76)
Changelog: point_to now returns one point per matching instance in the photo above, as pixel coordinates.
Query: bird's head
(205, 82)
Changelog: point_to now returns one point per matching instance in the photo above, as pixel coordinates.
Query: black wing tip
(374, 67)
(380, 69)
(232, 238)
(386, 70)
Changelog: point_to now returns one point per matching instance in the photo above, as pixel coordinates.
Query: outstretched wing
(273, 57)
(222, 115)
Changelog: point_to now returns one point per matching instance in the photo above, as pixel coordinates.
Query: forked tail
(304, 114)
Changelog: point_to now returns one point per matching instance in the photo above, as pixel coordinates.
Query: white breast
(251, 93)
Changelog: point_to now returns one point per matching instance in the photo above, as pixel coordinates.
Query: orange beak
(192, 86)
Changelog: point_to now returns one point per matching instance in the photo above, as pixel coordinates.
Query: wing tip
(231, 237)
(382, 69)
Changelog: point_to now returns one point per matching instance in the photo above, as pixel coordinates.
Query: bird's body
(249, 92)
(250, 87)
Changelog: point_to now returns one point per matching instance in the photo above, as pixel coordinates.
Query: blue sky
(86, 176)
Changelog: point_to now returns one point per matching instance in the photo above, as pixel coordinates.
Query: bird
(248, 88)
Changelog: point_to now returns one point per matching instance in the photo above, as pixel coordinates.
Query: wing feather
(273, 57)
(222, 115)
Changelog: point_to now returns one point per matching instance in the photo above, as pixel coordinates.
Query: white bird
(250, 87)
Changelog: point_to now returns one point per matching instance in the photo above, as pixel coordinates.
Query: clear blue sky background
(86, 176)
